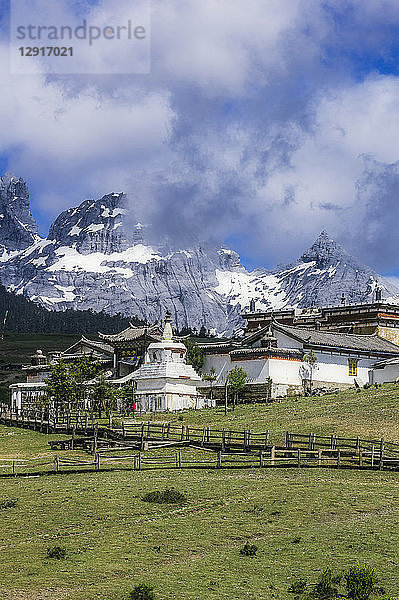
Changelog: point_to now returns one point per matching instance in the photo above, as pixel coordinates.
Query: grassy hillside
(302, 520)
(372, 413)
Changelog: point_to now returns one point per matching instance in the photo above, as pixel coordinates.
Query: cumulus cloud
(264, 121)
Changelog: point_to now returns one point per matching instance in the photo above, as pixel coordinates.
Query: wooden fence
(48, 421)
(274, 457)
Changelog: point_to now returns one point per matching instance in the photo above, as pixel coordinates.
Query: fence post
(272, 455)
(260, 458)
(182, 433)
(299, 457)
(110, 420)
(288, 440)
(139, 461)
(372, 456)
(203, 437)
(223, 439)
(13, 467)
(97, 461)
(338, 458)
(245, 440)
(219, 461)
(358, 444)
(56, 464)
(95, 438)
(179, 459)
(360, 458)
(267, 435)
(310, 441)
(249, 437)
(381, 453)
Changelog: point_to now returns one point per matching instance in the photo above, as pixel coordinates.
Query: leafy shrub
(360, 582)
(325, 588)
(249, 550)
(298, 586)
(56, 552)
(9, 503)
(166, 496)
(142, 592)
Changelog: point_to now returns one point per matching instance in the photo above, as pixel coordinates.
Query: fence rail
(231, 448)
(274, 457)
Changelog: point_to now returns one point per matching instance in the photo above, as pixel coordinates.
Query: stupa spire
(167, 330)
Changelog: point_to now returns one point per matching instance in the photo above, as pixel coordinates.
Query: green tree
(103, 395)
(311, 361)
(66, 389)
(82, 370)
(195, 355)
(237, 380)
(126, 394)
(61, 390)
(211, 377)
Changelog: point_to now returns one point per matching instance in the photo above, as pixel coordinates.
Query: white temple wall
(334, 368)
(222, 365)
(257, 369)
(388, 373)
(285, 371)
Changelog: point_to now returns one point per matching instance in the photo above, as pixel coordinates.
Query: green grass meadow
(302, 520)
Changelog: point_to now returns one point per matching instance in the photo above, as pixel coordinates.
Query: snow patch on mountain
(97, 256)
(69, 259)
(242, 287)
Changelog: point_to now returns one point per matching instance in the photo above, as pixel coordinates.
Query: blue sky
(261, 124)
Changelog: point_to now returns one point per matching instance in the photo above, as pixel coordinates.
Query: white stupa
(165, 382)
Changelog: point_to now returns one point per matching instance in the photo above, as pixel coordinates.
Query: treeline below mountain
(26, 317)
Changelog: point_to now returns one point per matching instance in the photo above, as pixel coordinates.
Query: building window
(352, 365)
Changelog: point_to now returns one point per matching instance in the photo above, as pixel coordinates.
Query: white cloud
(251, 122)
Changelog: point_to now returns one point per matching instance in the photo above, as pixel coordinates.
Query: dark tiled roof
(365, 343)
(385, 363)
(132, 333)
(106, 348)
(271, 351)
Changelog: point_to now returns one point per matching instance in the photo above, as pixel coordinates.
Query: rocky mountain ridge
(96, 256)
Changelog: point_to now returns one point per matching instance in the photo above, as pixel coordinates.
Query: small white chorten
(165, 382)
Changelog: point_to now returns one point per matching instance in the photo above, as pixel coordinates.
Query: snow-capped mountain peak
(97, 257)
